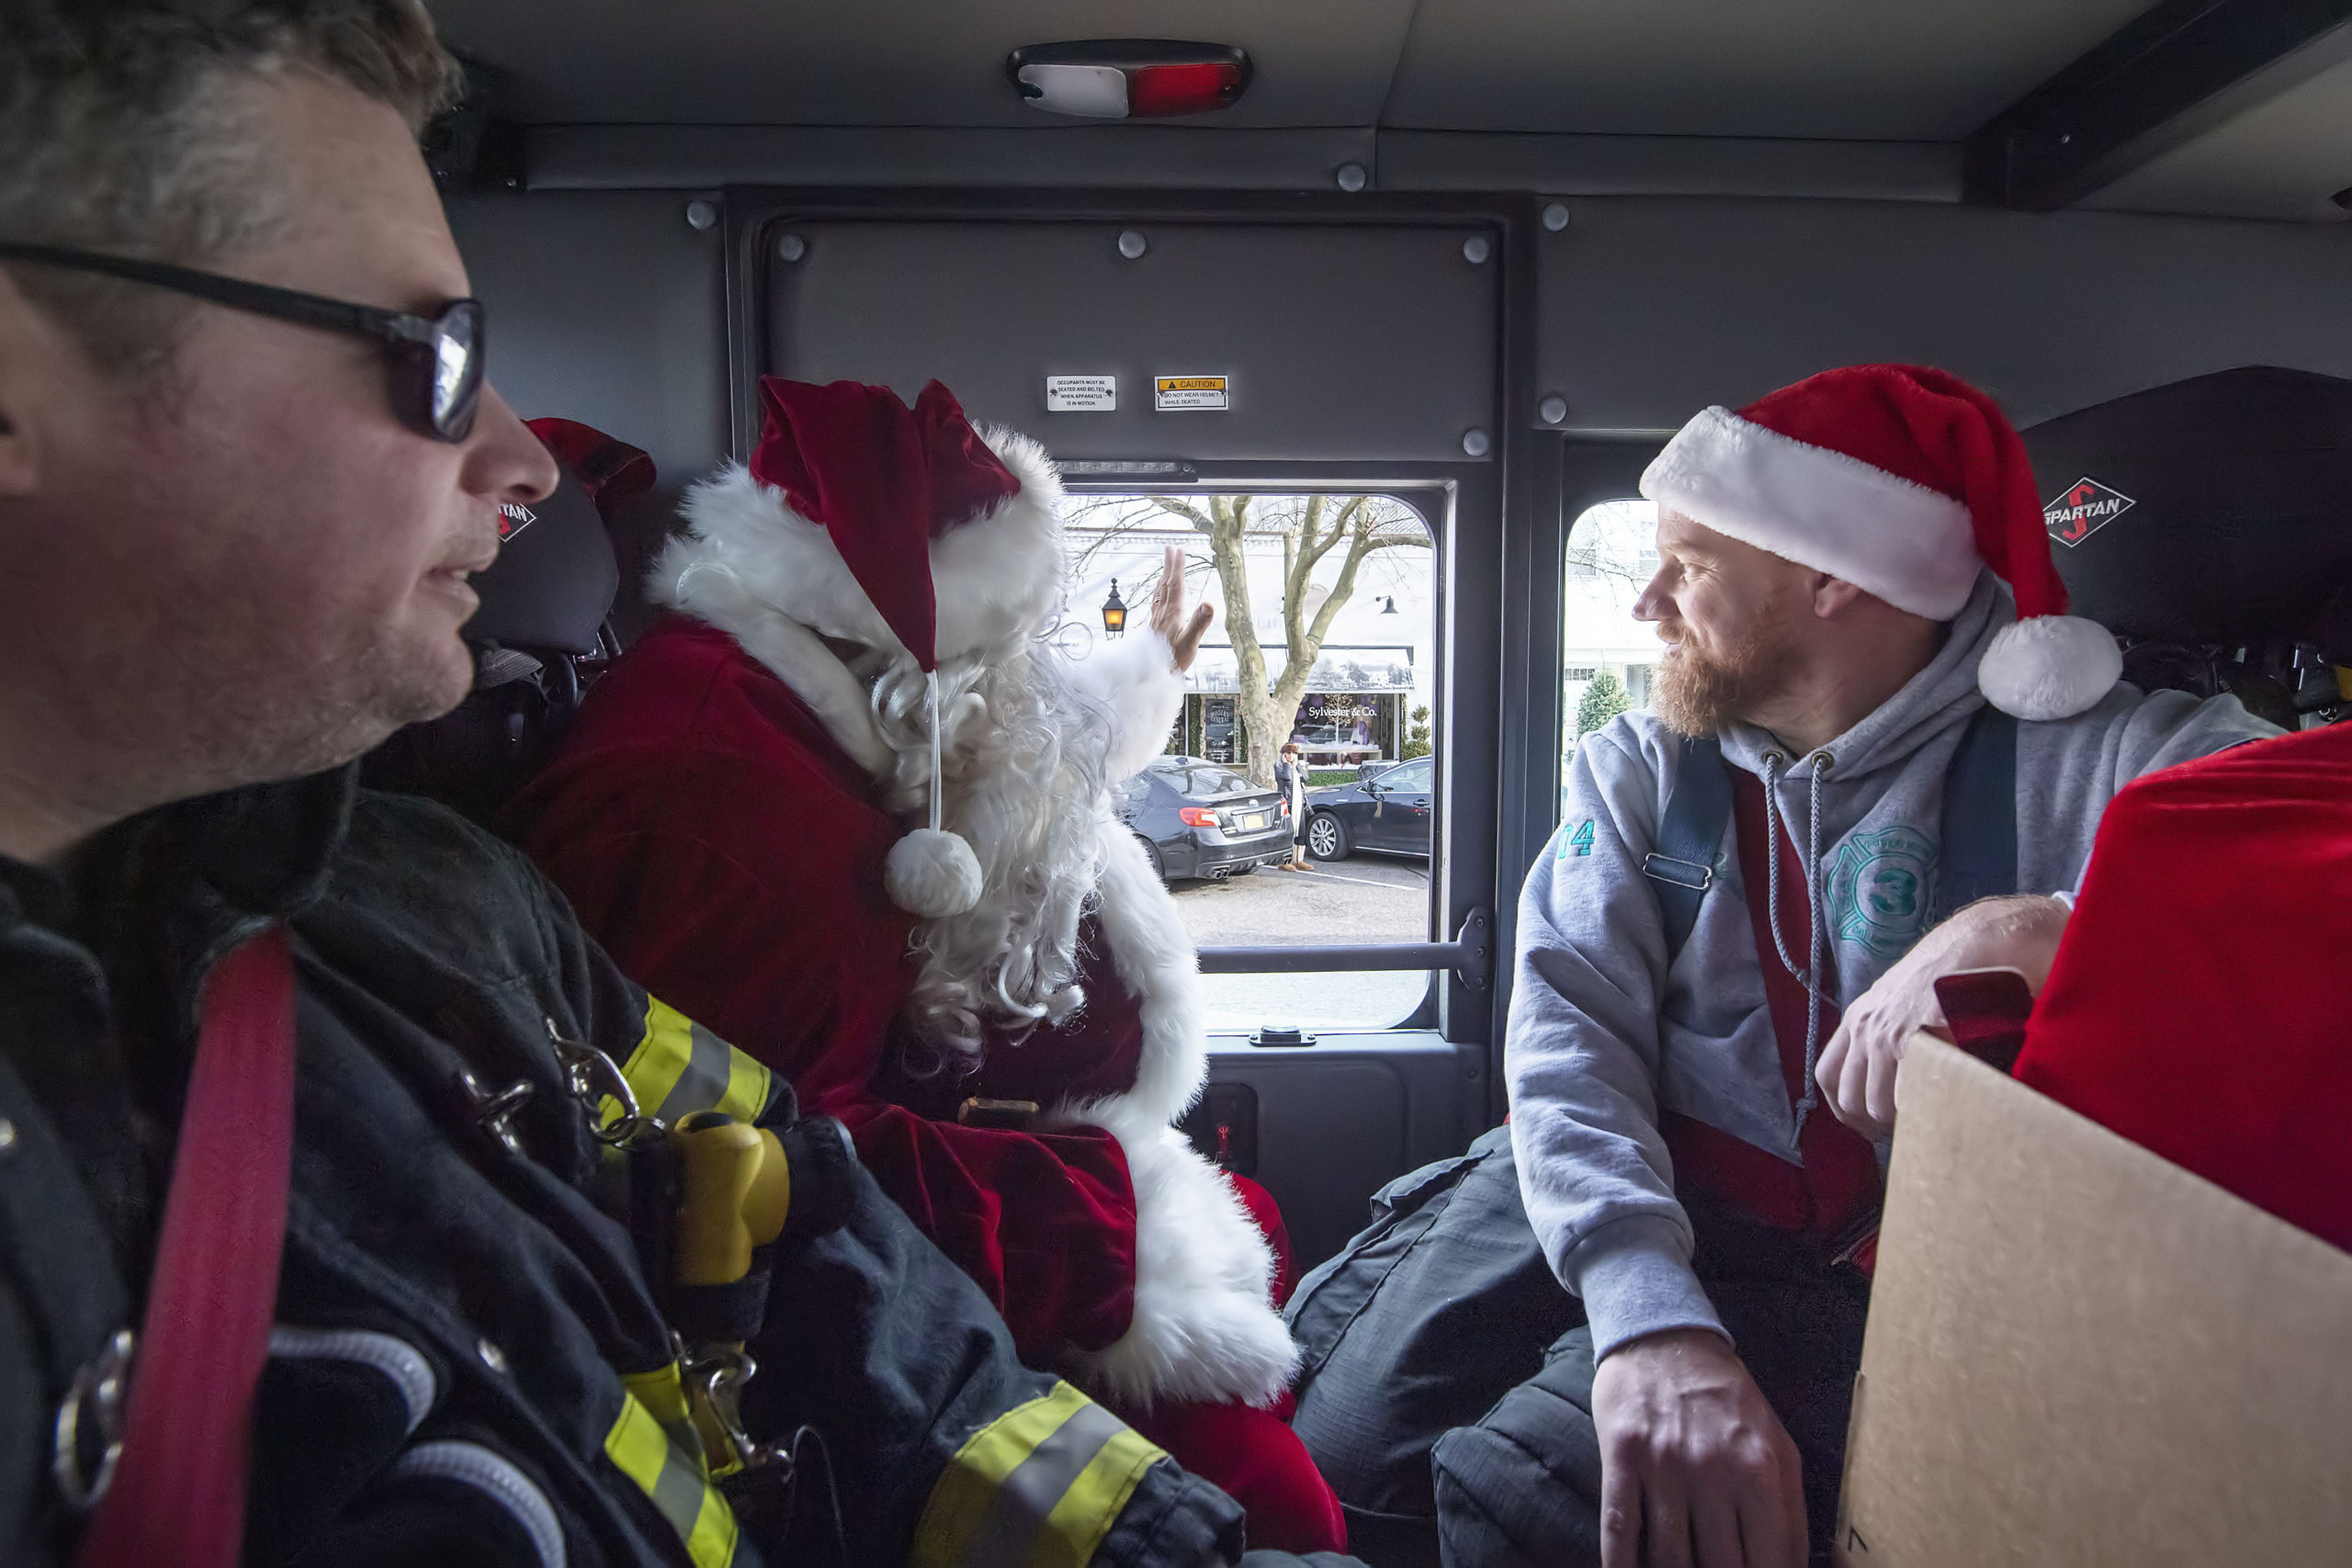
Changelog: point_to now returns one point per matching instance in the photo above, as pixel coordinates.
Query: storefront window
(1325, 638)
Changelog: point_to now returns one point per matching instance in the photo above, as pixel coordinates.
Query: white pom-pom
(2050, 667)
(931, 873)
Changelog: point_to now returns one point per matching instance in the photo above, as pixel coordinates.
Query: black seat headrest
(554, 580)
(2212, 511)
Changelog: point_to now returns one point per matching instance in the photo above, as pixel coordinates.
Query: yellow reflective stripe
(1088, 1509)
(662, 1391)
(747, 1086)
(1038, 1487)
(664, 1394)
(674, 1482)
(679, 1068)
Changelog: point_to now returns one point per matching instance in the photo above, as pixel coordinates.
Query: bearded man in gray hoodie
(1851, 570)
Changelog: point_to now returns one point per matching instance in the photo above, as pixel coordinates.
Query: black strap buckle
(1697, 875)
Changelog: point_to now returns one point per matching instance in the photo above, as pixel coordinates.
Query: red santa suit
(2196, 1005)
(719, 819)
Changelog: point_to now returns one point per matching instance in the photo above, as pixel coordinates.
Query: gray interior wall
(1337, 343)
(1653, 308)
(608, 308)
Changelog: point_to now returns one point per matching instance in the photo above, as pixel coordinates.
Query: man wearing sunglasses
(345, 1186)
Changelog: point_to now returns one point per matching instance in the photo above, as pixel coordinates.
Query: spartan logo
(2086, 508)
(513, 518)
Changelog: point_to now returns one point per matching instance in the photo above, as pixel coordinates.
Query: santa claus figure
(850, 807)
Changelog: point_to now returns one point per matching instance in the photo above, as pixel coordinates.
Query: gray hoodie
(1604, 1036)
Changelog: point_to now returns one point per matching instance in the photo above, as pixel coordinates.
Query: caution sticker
(1190, 392)
(1081, 394)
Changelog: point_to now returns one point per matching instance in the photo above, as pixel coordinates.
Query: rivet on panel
(791, 248)
(1476, 443)
(491, 1356)
(1475, 250)
(1552, 410)
(1351, 177)
(1556, 216)
(1132, 244)
(701, 215)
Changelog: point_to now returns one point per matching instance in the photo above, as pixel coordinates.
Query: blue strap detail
(1690, 839)
(1979, 826)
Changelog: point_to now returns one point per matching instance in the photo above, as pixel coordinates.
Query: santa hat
(894, 527)
(1903, 482)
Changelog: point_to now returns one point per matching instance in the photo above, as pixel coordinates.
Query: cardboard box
(2080, 1354)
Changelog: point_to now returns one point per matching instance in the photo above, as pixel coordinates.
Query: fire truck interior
(1481, 256)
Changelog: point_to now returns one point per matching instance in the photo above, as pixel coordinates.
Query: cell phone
(1985, 1012)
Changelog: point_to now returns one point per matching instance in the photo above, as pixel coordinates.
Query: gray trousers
(1446, 1391)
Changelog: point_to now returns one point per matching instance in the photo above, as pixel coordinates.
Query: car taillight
(1197, 815)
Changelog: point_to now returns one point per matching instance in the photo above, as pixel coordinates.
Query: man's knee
(1521, 1489)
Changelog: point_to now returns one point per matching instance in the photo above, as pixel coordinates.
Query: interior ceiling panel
(1917, 70)
(1319, 62)
(2281, 159)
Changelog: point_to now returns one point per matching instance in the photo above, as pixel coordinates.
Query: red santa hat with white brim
(894, 527)
(1905, 482)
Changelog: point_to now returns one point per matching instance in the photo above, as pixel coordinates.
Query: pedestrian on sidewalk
(1290, 777)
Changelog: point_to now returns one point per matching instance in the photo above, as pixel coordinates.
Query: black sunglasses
(436, 360)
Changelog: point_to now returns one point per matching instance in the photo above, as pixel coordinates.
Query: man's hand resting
(1856, 1069)
(1696, 1471)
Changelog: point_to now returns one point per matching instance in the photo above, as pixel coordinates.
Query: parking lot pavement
(1367, 898)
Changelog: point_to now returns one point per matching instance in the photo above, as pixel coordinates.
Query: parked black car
(1201, 819)
(1388, 811)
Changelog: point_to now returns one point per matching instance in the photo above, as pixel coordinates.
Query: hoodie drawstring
(1807, 976)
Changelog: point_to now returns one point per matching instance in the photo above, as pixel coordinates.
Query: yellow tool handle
(737, 1191)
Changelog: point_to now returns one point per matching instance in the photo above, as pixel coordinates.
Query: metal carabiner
(594, 1078)
(714, 1377)
(103, 1384)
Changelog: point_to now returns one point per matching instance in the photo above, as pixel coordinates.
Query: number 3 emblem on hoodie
(1880, 885)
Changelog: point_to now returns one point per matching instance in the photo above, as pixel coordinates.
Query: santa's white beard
(1023, 761)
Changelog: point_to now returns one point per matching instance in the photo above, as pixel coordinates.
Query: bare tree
(1313, 529)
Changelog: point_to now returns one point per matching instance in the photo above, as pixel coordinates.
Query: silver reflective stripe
(678, 1491)
(703, 1084)
(1018, 1516)
(399, 1360)
(473, 1465)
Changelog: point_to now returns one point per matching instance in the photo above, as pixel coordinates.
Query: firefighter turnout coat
(473, 1360)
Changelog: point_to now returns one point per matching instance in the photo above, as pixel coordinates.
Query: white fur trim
(1135, 679)
(996, 577)
(1155, 957)
(1000, 576)
(696, 577)
(2049, 667)
(931, 873)
(1205, 1327)
(1909, 545)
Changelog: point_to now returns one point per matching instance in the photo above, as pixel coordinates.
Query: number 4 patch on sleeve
(1578, 842)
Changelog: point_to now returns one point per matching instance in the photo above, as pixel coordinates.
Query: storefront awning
(1367, 669)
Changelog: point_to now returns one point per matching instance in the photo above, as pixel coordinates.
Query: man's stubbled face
(1727, 613)
(255, 569)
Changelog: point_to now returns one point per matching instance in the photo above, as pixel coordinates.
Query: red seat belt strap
(178, 1496)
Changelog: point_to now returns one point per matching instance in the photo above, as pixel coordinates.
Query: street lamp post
(1114, 612)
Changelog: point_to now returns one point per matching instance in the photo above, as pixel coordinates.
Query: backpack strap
(1690, 839)
(1979, 826)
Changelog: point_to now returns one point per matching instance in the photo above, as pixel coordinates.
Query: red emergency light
(1129, 78)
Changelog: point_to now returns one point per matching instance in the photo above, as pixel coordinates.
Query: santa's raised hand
(1183, 632)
